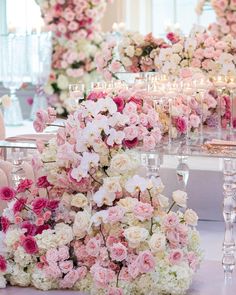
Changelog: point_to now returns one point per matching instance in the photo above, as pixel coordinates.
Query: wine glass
(13, 73)
(40, 65)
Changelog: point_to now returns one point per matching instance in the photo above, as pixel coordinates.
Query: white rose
(112, 184)
(66, 199)
(79, 200)
(81, 224)
(130, 51)
(6, 101)
(126, 61)
(190, 217)
(99, 217)
(157, 243)
(180, 198)
(48, 89)
(138, 38)
(64, 234)
(41, 281)
(135, 235)
(128, 203)
(12, 237)
(62, 82)
(120, 163)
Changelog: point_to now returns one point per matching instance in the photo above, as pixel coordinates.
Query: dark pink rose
(24, 185)
(7, 193)
(181, 124)
(31, 228)
(119, 101)
(5, 223)
(39, 204)
(19, 205)
(130, 143)
(52, 204)
(43, 182)
(3, 264)
(30, 245)
(30, 101)
(41, 228)
(137, 101)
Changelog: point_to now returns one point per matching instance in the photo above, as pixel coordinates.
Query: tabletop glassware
(13, 72)
(40, 52)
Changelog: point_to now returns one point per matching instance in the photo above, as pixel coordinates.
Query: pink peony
(143, 211)
(19, 205)
(176, 256)
(115, 214)
(53, 271)
(24, 185)
(5, 223)
(66, 266)
(93, 247)
(30, 245)
(146, 262)
(38, 205)
(101, 275)
(149, 143)
(3, 264)
(42, 182)
(171, 221)
(7, 193)
(118, 252)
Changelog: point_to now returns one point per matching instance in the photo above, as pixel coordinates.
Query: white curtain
(3, 21)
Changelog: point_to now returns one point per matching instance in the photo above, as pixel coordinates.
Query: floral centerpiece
(94, 221)
(226, 16)
(77, 37)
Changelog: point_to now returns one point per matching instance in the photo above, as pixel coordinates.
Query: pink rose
(53, 271)
(38, 205)
(42, 116)
(52, 204)
(118, 252)
(66, 266)
(7, 193)
(30, 228)
(143, 211)
(42, 182)
(192, 260)
(149, 143)
(133, 269)
(19, 205)
(119, 101)
(24, 185)
(131, 132)
(30, 245)
(5, 223)
(181, 124)
(63, 253)
(111, 240)
(115, 66)
(69, 280)
(115, 291)
(146, 262)
(171, 221)
(131, 143)
(3, 264)
(115, 214)
(173, 238)
(61, 136)
(93, 247)
(194, 121)
(52, 256)
(176, 256)
(101, 275)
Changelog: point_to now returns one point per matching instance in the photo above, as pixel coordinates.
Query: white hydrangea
(3, 282)
(12, 237)
(22, 258)
(40, 281)
(19, 277)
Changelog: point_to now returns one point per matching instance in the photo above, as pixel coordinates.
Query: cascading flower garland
(96, 222)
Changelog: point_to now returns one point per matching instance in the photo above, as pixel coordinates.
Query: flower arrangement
(95, 221)
(77, 38)
(226, 17)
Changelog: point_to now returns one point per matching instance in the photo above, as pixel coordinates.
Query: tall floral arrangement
(77, 37)
(226, 16)
(97, 221)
